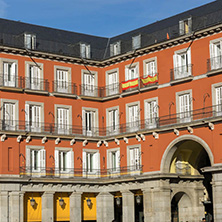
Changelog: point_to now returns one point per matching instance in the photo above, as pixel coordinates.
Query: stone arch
(171, 148)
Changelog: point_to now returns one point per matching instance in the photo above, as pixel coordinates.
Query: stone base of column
(48, 207)
(75, 207)
(128, 206)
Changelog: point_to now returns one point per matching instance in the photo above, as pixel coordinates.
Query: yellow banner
(130, 84)
(149, 79)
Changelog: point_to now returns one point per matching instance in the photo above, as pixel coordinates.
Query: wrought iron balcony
(11, 81)
(214, 63)
(172, 120)
(36, 84)
(52, 172)
(64, 87)
(181, 72)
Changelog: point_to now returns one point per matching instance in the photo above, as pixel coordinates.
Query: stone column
(157, 203)
(21, 206)
(128, 206)
(75, 207)
(217, 196)
(14, 205)
(105, 207)
(48, 206)
(4, 206)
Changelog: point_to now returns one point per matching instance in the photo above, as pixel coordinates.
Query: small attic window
(115, 48)
(30, 41)
(85, 50)
(185, 26)
(136, 42)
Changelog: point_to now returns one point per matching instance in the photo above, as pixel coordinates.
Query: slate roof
(67, 43)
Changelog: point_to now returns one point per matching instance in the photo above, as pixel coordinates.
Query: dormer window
(115, 49)
(30, 41)
(185, 26)
(136, 42)
(85, 50)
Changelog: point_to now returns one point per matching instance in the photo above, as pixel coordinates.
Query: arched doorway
(185, 157)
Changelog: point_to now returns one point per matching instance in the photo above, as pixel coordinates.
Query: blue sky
(96, 17)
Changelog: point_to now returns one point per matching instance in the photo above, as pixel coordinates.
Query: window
(215, 54)
(151, 113)
(64, 161)
(63, 120)
(184, 100)
(115, 48)
(85, 50)
(217, 98)
(185, 26)
(150, 67)
(30, 41)
(132, 71)
(136, 42)
(133, 117)
(112, 80)
(91, 162)
(90, 117)
(89, 81)
(113, 160)
(62, 81)
(112, 121)
(134, 159)
(33, 114)
(182, 64)
(35, 160)
(9, 121)
(9, 73)
(34, 77)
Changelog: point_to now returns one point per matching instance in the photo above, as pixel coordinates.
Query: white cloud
(3, 7)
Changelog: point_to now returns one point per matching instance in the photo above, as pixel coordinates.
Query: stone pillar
(75, 207)
(105, 207)
(128, 206)
(157, 202)
(48, 206)
(21, 206)
(4, 206)
(217, 196)
(14, 206)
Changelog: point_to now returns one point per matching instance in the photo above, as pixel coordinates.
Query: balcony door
(33, 118)
(34, 77)
(133, 112)
(88, 84)
(185, 108)
(134, 160)
(9, 74)
(62, 81)
(89, 123)
(63, 120)
(9, 116)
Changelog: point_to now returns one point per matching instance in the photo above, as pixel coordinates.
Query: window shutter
(82, 50)
(28, 159)
(88, 50)
(96, 161)
(42, 160)
(181, 102)
(33, 42)
(218, 95)
(111, 49)
(13, 71)
(127, 74)
(118, 48)
(181, 27)
(118, 158)
(84, 161)
(70, 161)
(56, 162)
(132, 162)
(190, 24)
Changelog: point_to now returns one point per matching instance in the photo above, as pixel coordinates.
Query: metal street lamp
(32, 202)
(61, 202)
(138, 199)
(118, 201)
(89, 202)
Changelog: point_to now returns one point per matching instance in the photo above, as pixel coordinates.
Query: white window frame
(12, 125)
(128, 70)
(85, 50)
(30, 41)
(69, 168)
(61, 86)
(112, 87)
(217, 108)
(150, 118)
(112, 130)
(5, 76)
(34, 83)
(42, 161)
(115, 48)
(34, 126)
(182, 26)
(95, 171)
(114, 170)
(146, 72)
(215, 59)
(136, 42)
(184, 117)
(63, 129)
(135, 168)
(132, 126)
(182, 70)
(94, 125)
(89, 89)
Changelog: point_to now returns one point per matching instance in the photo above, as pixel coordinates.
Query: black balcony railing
(52, 172)
(11, 81)
(214, 63)
(153, 123)
(112, 89)
(91, 91)
(36, 84)
(64, 87)
(181, 72)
